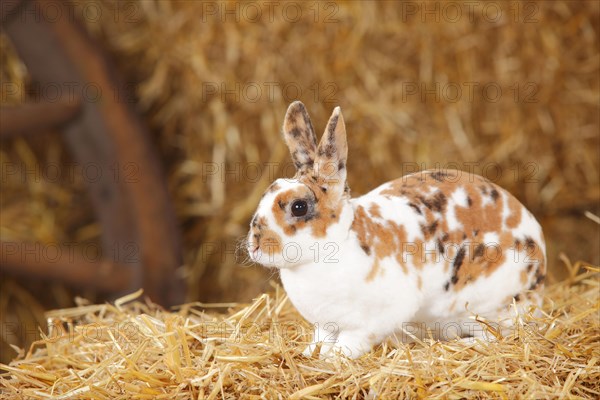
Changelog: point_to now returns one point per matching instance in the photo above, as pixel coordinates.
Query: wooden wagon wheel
(101, 130)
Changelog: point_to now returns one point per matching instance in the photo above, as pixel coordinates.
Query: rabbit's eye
(299, 208)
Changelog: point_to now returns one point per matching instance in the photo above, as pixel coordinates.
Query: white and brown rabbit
(431, 248)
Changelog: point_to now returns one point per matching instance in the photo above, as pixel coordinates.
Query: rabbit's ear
(332, 153)
(300, 137)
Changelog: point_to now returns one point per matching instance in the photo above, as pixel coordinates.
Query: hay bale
(417, 91)
(135, 349)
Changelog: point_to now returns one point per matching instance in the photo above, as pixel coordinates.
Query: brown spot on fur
(281, 204)
(266, 239)
(494, 194)
(457, 263)
(327, 151)
(374, 210)
(326, 206)
(533, 254)
(539, 279)
(415, 207)
(529, 242)
(435, 203)
(379, 239)
(260, 222)
(479, 250)
(366, 249)
(439, 175)
(331, 125)
(419, 282)
(271, 242)
(440, 247)
(430, 230)
(479, 218)
(279, 210)
(373, 272)
(524, 277)
(514, 218)
(540, 273)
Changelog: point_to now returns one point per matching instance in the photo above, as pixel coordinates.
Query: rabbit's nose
(253, 239)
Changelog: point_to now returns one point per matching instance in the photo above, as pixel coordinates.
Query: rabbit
(429, 249)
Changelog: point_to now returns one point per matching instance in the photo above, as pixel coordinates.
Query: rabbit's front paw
(353, 344)
(325, 337)
(309, 350)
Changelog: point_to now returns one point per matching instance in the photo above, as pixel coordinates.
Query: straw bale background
(541, 133)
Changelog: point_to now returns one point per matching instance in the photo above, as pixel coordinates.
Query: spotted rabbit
(430, 248)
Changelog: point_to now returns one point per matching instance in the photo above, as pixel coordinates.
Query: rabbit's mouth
(255, 253)
(258, 255)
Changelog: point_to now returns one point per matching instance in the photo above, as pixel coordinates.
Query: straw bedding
(367, 61)
(134, 349)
